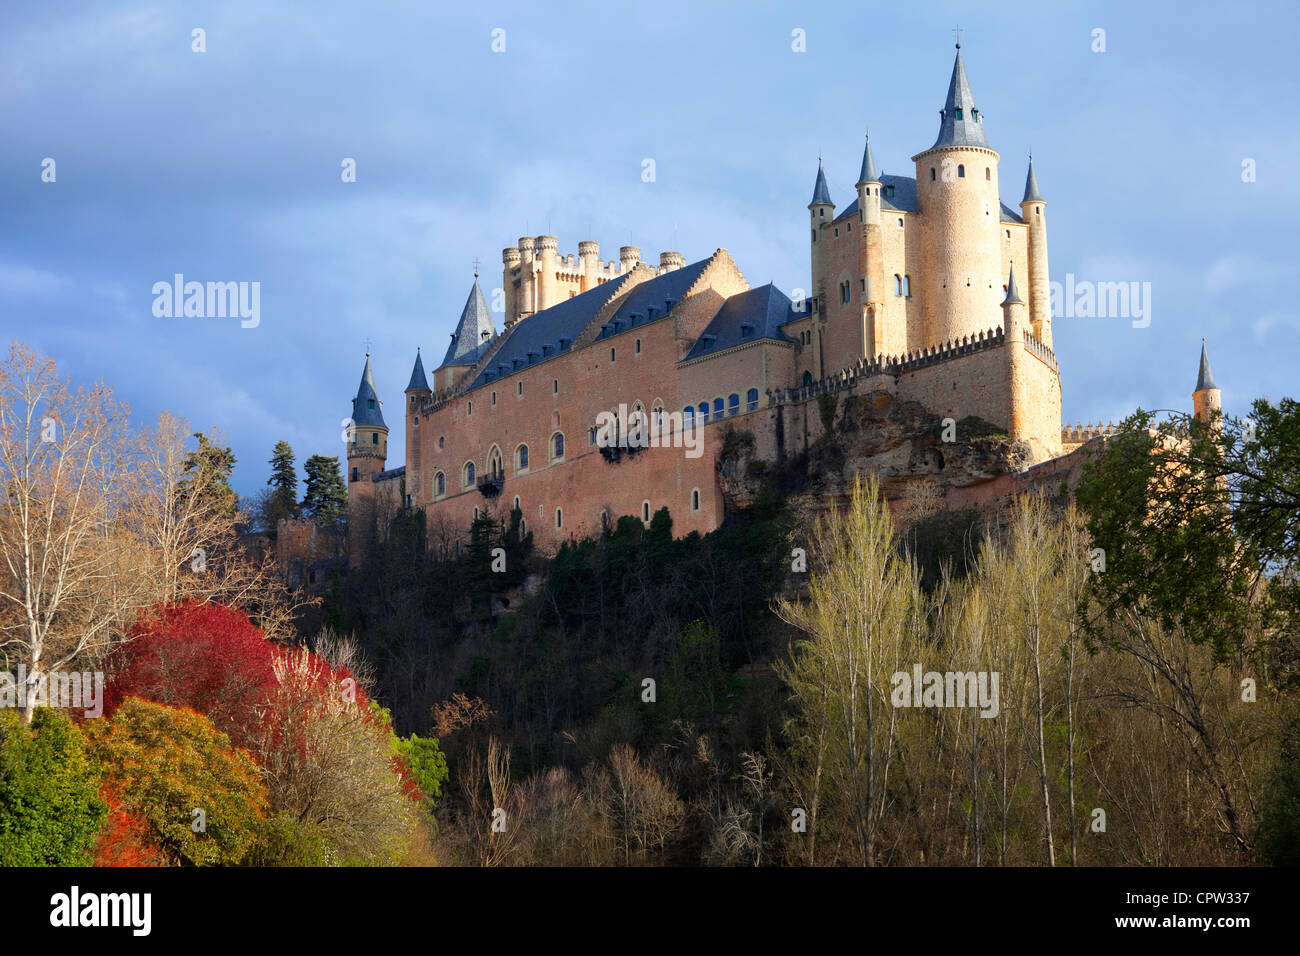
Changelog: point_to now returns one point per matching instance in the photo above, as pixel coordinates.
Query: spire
(367, 409)
(473, 331)
(961, 123)
(1013, 294)
(1031, 185)
(868, 174)
(418, 382)
(820, 193)
(1205, 379)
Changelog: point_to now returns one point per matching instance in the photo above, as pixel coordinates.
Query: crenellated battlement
(1081, 434)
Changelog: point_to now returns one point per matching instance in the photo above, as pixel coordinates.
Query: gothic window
(557, 445)
(439, 485)
(521, 458)
(467, 474)
(494, 466)
(441, 441)
(751, 400)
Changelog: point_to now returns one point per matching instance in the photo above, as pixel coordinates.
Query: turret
(871, 259)
(1013, 311)
(545, 262)
(668, 261)
(417, 392)
(474, 333)
(589, 257)
(368, 449)
(526, 302)
(957, 197)
(821, 212)
(628, 257)
(1207, 400)
(511, 282)
(1033, 210)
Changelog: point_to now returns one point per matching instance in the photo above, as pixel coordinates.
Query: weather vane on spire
(476, 267)
(956, 33)
(367, 348)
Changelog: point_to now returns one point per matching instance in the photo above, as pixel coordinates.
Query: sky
(1169, 157)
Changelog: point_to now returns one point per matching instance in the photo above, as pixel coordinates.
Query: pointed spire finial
(960, 121)
(1205, 378)
(1013, 294)
(1031, 184)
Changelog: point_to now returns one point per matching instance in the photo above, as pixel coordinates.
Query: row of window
(604, 515)
(961, 172)
(495, 467)
(720, 409)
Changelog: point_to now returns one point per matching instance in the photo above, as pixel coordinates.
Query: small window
(704, 413)
(695, 499)
(441, 441)
(611, 355)
(814, 235)
(1008, 233)
(559, 518)
(521, 388)
(494, 398)
(555, 386)
(975, 115)
(645, 511)
(370, 403)
(439, 485)
(900, 222)
(733, 404)
(469, 408)
(889, 192)
(907, 285)
(638, 346)
(522, 457)
(467, 477)
(604, 520)
(958, 113)
(475, 512)
(751, 400)
(417, 421)
(355, 474)
(1038, 211)
(516, 504)
(931, 174)
(988, 174)
(717, 408)
(374, 438)
(898, 285)
(557, 445)
(837, 232)
(961, 171)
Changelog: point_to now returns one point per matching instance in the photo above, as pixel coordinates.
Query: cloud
(1240, 269)
(18, 280)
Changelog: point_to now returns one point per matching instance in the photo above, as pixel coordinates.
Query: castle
(928, 288)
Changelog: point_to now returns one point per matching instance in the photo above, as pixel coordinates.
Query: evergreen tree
(207, 472)
(283, 499)
(325, 499)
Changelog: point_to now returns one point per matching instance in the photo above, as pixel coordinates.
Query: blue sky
(225, 166)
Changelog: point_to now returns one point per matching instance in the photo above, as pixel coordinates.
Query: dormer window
(957, 113)
(746, 331)
(889, 192)
(370, 403)
(974, 114)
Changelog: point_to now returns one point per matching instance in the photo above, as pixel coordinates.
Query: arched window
(717, 408)
(494, 465)
(898, 285)
(961, 171)
(751, 400)
(557, 445)
(704, 413)
(733, 404)
(441, 442)
(645, 511)
(521, 458)
(467, 474)
(604, 520)
(695, 499)
(439, 485)
(807, 378)
(907, 285)
(688, 417)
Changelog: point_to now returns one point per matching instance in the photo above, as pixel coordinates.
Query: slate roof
(746, 317)
(1205, 378)
(388, 475)
(468, 341)
(418, 381)
(1013, 294)
(1031, 185)
(968, 130)
(367, 409)
(868, 172)
(820, 193)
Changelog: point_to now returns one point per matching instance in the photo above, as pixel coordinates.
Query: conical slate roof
(820, 193)
(1013, 294)
(868, 174)
(1205, 379)
(468, 339)
(1031, 185)
(367, 409)
(418, 381)
(961, 124)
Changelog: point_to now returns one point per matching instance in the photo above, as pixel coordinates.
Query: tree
(206, 472)
(325, 497)
(67, 571)
(208, 657)
(283, 499)
(204, 802)
(50, 809)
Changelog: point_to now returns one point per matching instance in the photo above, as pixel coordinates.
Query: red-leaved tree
(208, 657)
(125, 837)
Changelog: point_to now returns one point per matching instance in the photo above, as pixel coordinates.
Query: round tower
(545, 260)
(368, 448)
(526, 303)
(589, 256)
(628, 257)
(668, 261)
(871, 261)
(417, 393)
(957, 198)
(821, 212)
(510, 282)
(1207, 400)
(1033, 210)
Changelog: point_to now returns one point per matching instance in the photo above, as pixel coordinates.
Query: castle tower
(369, 446)
(511, 282)
(417, 392)
(821, 212)
(589, 256)
(628, 257)
(871, 258)
(546, 259)
(1207, 400)
(474, 333)
(957, 197)
(1033, 210)
(526, 302)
